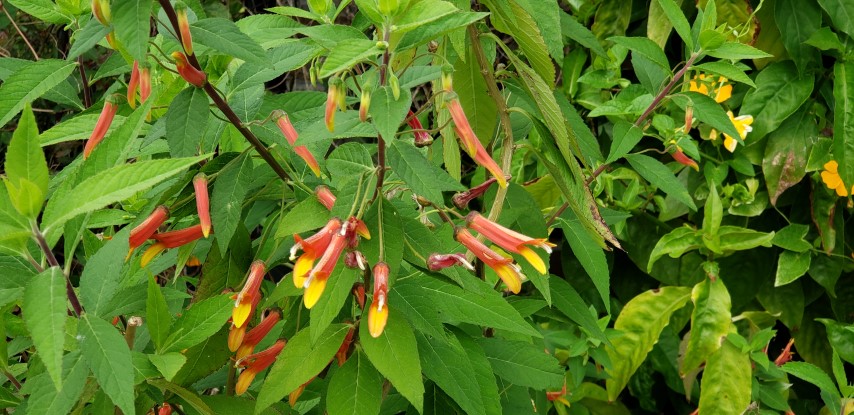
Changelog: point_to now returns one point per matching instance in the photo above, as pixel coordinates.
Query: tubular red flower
(422, 138)
(436, 262)
(378, 313)
(249, 294)
(184, 28)
(354, 229)
(165, 409)
(358, 291)
(316, 281)
(174, 239)
(325, 196)
(333, 96)
(188, 72)
(684, 160)
(284, 124)
(258, 333)
(148, 227)
(786, 354)
(133, 85)
(462, 199)
(101, 127)
(150, 253)
(313, 247)
(463, 127)
(256, 363)
(504, 267)
(341, 354)
(235, 337)
(203, 205)
(144, 84)
(365, 103)
(509, 240)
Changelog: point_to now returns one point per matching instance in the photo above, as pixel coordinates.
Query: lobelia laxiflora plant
(407, 206)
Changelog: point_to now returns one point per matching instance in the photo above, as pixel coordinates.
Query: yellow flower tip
(294, 396)
(150, 253)
(377, 319)
(533, 259)
(301, 269)
(362, 230)
(235, 337)
(724, 93)
(244, 350)
(510, 276)
(241, 313)
(206, 231)
(832, 166)
(315, 168)
(130, 252)
(244, 381)
(730, 143)
(313, 292)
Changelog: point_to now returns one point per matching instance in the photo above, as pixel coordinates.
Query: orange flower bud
(290, 133)
(341, 354)
(447, 78)
(258, 333)
(256, 363)
(680, 157)
(504, 267)
(144, 84)
(511, 241)
(101, 10)
(174, 239)
(165, 409)
(203, 206)
(133, 85)
(358, 291)
(365, 104)
(471, 144)
(188, 72)
(235, 337)
(332, 100)
(251, 292)
(184, 28)
(422, 138)
(148, 227)
(378, 313)
(462, 199)
(101, 127)
(325, 196)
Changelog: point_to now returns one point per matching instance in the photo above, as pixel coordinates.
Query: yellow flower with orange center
(720, 89)
(830, 177)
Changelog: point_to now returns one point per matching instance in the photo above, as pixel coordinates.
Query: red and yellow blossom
(256, 363)
(287, 129)
(181, 237)
(102, 126)
(313, 248)
(422, 137)
(190, 74)
(683, 159)
(184, 27)
(721, 90)
(511, 241)
(378, 313)
(335, 98)
(243, 301)
(254, 336)
(203, 204)
(742, 125)
(148, 227)
(315, 284)
(101, 10)
(831, 179)
(436, 262)
(325, 196)
(504, 267)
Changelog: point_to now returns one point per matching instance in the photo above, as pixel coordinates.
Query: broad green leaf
(186, 117)
(269, 30)
(843, 120)
(470, 87)
(708, 111)
(779, 93)
(77, 128)
(522, 363)
(45, 312)
(299, 362)
(483, 373)
(784, 163)
(727, 70)
(660, 176)
(792, 237)
(725, 388)
(388, 113)
(347, 125)
(348, 53)
(735, 238)
(674, 14)
(791, 266)
(107, 354)
(168, 363)
(43, 10)
(395, 354)
(641, 322)
(825, 39)
(132, 22)
(355, 389)
(113, 185)
(205, 358)
(27, 175)
(710, 323)
(644, 47)
(388, 236)
(591, 257)
(445, 362)
(675, 244)
(737, 51)
(797, 21)
(348, 163)
(841, 337)
(511, 18)
(841, 13)
(201, 321)
(570, 303)
(581, 34)
(423, 177)
(103, 274)
(305, 216)
(812, 374)
(191, 397)
(611, 18)
(31, 82)
(285, 58)
(87, 37)
(626, 136)
(435, 29)
(229, 190)
(327, 308)
(547, 17)
(157, 315)
(224, 36)
(45, 398)
(421, 12)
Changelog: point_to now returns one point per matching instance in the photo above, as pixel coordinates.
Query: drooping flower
(341, 354)
(150, 253)
(190, 74)
(181, 237)
(785, 354)
(165, 409)
(684, 160)
(742, 125)
(325, 196)
(355, 229)
(436, 262)
(258, 333)
(378, 313)
(422, 137)
(313, 248)
(251, 290)
(721, 90)
(333, 100)
(511, 241)
(462, 199)
(133, 85)
(355, 259)
(235, 337)
(284, 124)
(558, 396)
(101, 10)
(184, 27)
(148, 227)
(471, 144)
(365, 103)
(256, 363)
(144, 83)
(504, 267)
(831, 179)
(315, 284)
(102, 126)
(203, 204)
(358, 291)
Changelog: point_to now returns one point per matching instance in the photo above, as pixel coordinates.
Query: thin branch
(87, 94)
(20, 33)
(51, 260)
(380, 141)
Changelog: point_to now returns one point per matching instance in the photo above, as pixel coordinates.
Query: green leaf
(841, 338)
(103, 274)
(591, 257)
(204, 359)
(45, 398)
(168, 364)
(792, 237)
(626, 136)
(132, 22)
(299, 362)
(201, 321)
(791, 266)
(737, 51)
(581, 34)
(44, 310)
(327, 308)
(483, 373)
(113, 185)
(229, 190)
(42, 9)
(285, 58)
(797, 21)
(727, 70)
(355, 389)
(708, 111)
(387, 238)
(785, 160)
(510, 18)
(547, 14)
(735, 238)
(107, 354)
(31, 82)
(87, 37)
(421, 12)
(843, 120)
(710, 323)
(191, 397)
(445, 362)
(470, 86)
(388, 113)
(570, 303)
(77, 128)
(395, 354)
(26, 168)
(641, 321)
(660, 176)
(825, 39)
(436, 29)
(224, 36)
(348, 163)
(725, 388)
(644, 47)
(522, 363)
(674, 14)
(422, 176)
(675, 243)
(811, 374)
(305, 216)
(841, 14)
(348, 53)
(186, 117)
(157, 315)
(779, 93)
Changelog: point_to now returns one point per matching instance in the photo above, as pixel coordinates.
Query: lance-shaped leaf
(725, 388)
(29, 83)
(395, 354)
(710, 322)
(843, 120)
(44, 310)
(107, 354)
(355, 389)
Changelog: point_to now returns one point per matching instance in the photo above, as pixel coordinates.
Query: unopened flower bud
(365, 103)
(395, 85)
(190, 74)
(133, 85)
(436, 262)
(388, 7)
(689, 118)
(325, 196)
(102, 126)
(144, 83)
(341, 354)
(684, 160)
(462, 199)
(358, 291)
(203, 206)
(356, 259)
(184, 27)
(447, 78)
(101, 10)
(165, 409)
(422, 138)
(332, 98)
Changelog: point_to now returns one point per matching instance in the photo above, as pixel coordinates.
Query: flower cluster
(290, 133)
(831, 179)
(721, 90)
